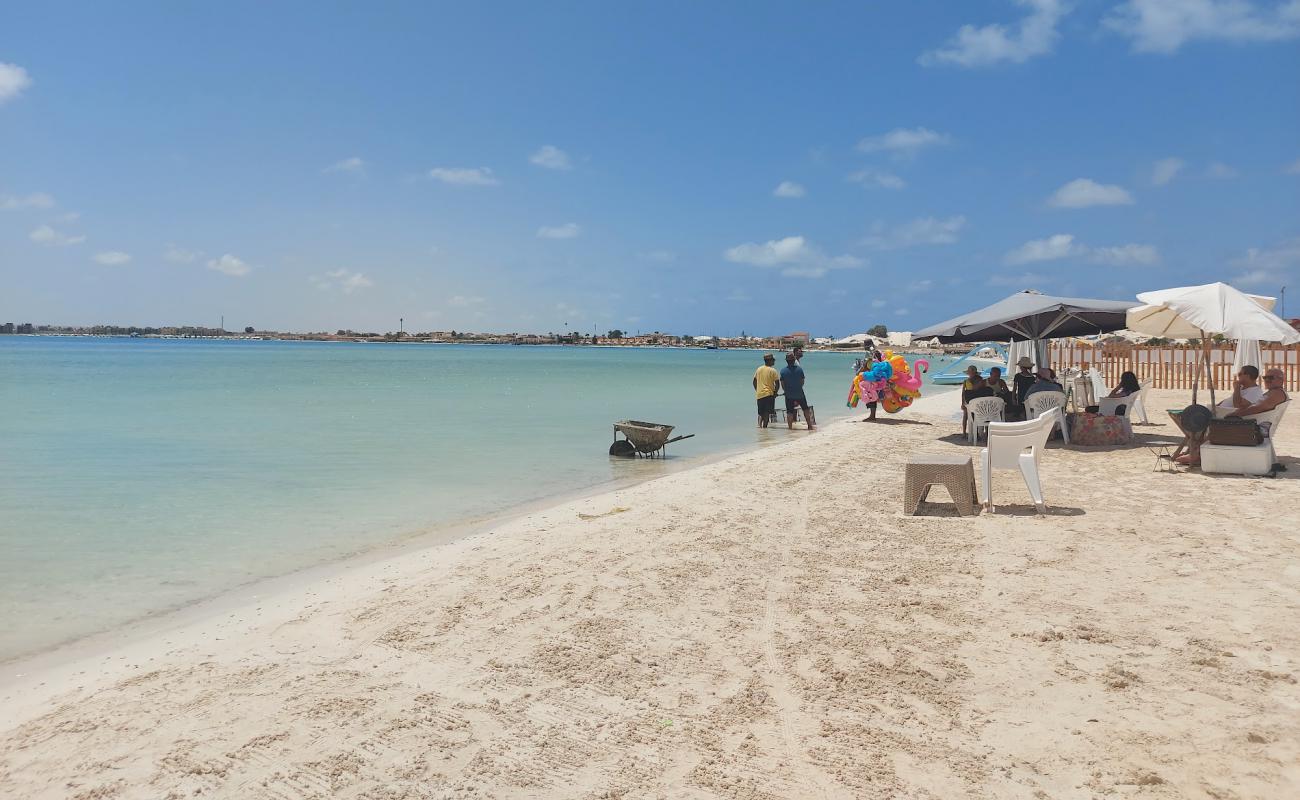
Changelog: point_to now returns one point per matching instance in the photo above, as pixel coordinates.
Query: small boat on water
(984, 356)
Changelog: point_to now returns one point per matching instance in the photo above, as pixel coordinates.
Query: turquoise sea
(140, 475)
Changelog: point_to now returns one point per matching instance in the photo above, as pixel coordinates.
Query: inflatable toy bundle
(890, 382)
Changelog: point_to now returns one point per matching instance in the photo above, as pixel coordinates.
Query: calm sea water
(139, 475)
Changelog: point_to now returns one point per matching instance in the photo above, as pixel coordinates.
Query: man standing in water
(765, 382)
(792, 378)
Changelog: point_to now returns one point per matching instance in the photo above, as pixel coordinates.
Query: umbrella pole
(1209, 372)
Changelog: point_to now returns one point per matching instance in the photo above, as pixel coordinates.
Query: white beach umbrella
(1248, 352)
(1200, 312)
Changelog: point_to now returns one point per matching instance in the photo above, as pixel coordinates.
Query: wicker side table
(954, 473)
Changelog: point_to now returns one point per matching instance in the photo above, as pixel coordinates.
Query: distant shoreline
(492, 340)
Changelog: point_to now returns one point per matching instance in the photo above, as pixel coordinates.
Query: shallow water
(141, 474)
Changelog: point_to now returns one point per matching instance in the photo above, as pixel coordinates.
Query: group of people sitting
(1025, 382)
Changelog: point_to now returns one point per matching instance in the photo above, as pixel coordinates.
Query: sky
(693, 168)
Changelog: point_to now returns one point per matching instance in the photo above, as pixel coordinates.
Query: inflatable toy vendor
(892, 383)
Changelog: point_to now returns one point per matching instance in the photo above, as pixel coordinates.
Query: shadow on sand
(887, 421)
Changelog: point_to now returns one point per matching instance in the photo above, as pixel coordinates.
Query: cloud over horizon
(921, 231)
(568, 230)
(1034, 35)
(47, 235)
(903, 142)
(230, 265)
(113, 258)
(794, 255)
(464, 176)
(1085, 192)
(13, 81)
(1164, 26)
(551, 157)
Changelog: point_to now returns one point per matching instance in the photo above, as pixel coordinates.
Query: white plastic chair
(1082, 393)
(1139, 408)
(1040, 403)
(981, 411)
(1017, 445)
(1099, 389)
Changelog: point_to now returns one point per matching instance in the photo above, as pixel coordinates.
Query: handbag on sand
(1235, 432)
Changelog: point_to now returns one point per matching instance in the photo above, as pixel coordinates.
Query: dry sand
(765, 626)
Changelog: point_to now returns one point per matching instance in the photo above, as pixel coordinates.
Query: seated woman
(1128, 384)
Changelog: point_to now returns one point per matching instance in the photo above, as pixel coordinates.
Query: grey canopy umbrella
(1030, 316)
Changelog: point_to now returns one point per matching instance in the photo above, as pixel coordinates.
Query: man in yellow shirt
(766, 380)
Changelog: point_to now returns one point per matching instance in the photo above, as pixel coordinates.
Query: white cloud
(1083, 192)
(464, 176)
(793, 254)
(229, 265)
(13, 80)
(878, 303)
(1166, 169)
(1023, 280)
(9, 202)
(1221, 171)
(113, 258)
(1126, 254)
(568, 230)
(1034, 35)
(1062, 245)
(1163, 26)
(551, 157)
(922, 231)
(903, 142)
(661, 256)
(47, 235)
(464, 301)
(354, 166)
(179, 255)
(1293, 168)
(1273, 266)
(874, 177)
(341, 280)
(789, 189)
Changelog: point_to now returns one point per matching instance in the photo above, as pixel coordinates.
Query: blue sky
(685, 167)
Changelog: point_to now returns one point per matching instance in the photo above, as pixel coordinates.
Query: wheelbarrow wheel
(622, 448)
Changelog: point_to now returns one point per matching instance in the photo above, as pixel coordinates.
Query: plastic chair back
(1039, 402)
(1008, 440)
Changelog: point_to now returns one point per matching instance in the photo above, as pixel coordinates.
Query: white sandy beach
(769, 625)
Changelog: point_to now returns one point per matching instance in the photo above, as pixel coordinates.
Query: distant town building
(8, 327)
(26, 327)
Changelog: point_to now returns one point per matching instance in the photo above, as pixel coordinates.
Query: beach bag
(1235, 432)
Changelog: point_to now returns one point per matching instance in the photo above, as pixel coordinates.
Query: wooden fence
(1171, 366)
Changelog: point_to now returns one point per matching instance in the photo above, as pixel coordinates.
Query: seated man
(1245, 390)
(1044, 384)
(1271, 397)
(979, 387)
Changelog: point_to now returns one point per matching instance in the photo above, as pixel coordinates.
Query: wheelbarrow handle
(679, 438)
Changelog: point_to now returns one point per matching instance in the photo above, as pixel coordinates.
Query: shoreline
(19, 668)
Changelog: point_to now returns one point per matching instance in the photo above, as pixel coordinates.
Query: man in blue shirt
(792, 381)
